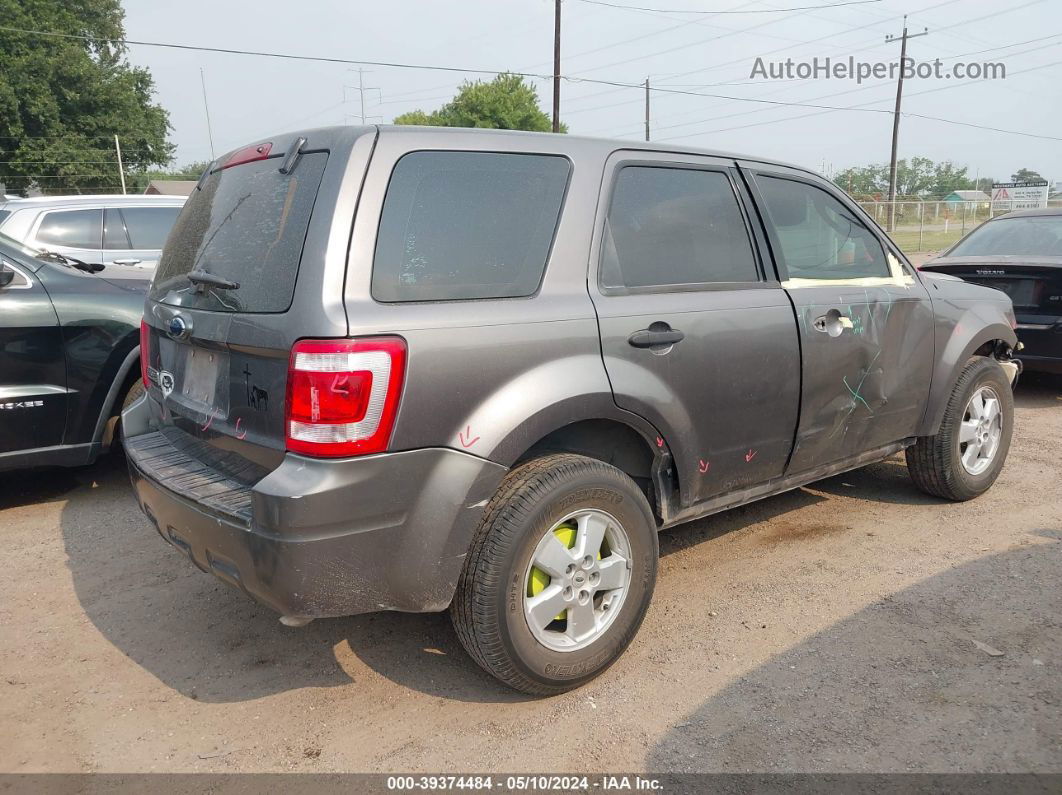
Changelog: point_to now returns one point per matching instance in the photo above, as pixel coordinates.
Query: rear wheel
(966, 455)
(560, 575)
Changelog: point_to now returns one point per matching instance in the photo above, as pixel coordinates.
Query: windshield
(1023, 236)
(245, 227)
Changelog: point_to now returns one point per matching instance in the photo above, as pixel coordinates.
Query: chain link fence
(928, 225)
(934, 225)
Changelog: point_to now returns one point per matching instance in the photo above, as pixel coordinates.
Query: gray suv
(417, 369)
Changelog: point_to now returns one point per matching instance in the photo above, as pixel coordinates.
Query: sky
(701, 64)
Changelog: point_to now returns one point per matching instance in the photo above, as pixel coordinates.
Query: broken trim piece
(897, 278)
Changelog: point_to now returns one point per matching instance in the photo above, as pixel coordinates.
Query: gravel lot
(855, 625)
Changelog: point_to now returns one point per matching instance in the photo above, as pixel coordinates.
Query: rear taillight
(343, 395)
(145, 352)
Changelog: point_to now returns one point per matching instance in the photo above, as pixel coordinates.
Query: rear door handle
(126, 261)
(655, 338)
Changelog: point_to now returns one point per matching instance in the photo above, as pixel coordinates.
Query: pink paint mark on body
(240, 434)
(209, 422)
(750, 455)
(466, 437)
(703, 465)
(659, 442)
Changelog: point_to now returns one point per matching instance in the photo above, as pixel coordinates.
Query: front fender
(962, 326)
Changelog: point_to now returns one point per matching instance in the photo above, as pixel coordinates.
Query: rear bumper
(1042, 343)
(318, 538)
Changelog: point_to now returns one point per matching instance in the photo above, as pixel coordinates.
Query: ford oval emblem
(178, 327)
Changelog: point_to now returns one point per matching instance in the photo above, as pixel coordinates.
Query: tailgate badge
(990, 272)
(166, 382)
(178, 327)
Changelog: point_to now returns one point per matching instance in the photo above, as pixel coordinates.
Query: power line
(722, 13)
(569, 78)
(862, 107)
(861, 88)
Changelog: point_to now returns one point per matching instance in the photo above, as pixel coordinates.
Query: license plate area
(197, 374)
(199, 383)
(1020, 291)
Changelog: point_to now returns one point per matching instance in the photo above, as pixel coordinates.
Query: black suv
(69, 357)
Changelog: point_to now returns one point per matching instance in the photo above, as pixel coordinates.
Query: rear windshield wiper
(54, 256)
(203, 279)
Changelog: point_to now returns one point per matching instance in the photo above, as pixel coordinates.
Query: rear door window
(465, 225)
(148, 227)
(246, 224)
(669, 226)
(72, 229)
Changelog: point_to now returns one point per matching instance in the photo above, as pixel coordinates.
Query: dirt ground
(855, 625)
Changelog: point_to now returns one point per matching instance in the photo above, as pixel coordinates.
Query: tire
(498, 582)
(936, 463)
(135, 390)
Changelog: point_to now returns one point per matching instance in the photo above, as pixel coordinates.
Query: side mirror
(6, 277)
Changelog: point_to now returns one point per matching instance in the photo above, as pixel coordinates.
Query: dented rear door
(865, 320)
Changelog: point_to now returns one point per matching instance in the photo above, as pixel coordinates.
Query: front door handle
(126, 261)
(657, 336)
(833, 323)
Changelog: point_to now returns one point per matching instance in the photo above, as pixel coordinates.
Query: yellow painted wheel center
(537, 582)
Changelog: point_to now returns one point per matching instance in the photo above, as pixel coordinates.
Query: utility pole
(121, 168)
(896, 117)
(647, 108)
(362, 88)
(556, 64)
(206, 108)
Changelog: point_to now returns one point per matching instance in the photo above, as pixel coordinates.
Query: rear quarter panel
(492, 376)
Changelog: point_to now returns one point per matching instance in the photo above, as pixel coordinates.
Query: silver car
(125, 234)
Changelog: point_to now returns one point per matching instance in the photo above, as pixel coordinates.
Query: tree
(918, 176)
(948, 177)
(1025, 175)
(504, 103)
(138, 181)
(63, 100)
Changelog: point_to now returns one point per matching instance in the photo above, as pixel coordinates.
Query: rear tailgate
(264, 232)
(1034, 285)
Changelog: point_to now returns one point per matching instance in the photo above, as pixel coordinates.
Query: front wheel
(559, 576)
(965, 456)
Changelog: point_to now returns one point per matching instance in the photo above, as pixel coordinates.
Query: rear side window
(246, 224)
(138, 227)
(72, 228)
(675, 226)
(463, 225)
(819, 237)
(3, 215)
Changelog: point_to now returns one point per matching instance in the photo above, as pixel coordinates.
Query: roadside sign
(1019, 195)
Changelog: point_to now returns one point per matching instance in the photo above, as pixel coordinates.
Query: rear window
(464, 225)
(1023, 236)
(246, 224)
